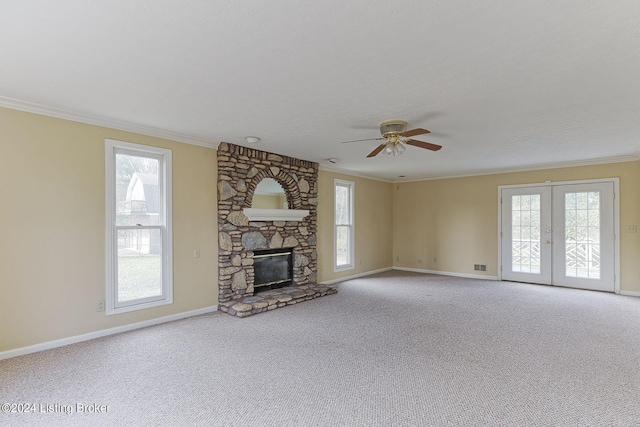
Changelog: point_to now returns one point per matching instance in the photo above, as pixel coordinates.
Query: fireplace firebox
(272, 268)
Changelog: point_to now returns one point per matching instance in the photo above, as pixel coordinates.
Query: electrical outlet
(397, 258)
(196, 253)
(434, 259)
(419, 260)
(360, 261)
(100, 305)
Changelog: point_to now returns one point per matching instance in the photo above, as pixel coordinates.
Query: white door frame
(616, 219)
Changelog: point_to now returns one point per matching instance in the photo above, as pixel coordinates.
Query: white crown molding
(60, 113)
(351, 173)
(496, 171)
(603, 161)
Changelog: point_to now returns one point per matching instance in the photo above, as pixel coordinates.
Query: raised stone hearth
(240, 170)
(277, 298)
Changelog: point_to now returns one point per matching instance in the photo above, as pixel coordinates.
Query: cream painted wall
(372, 224)
(52, 235)
(456, 220)
(52, 245)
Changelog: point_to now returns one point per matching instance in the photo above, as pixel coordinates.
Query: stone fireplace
(240, 170)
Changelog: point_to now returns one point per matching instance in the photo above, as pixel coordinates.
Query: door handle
(548, 230)
(548, 242)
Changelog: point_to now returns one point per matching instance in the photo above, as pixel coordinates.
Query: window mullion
(138, 227)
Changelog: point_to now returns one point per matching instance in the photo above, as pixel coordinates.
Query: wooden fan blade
(377, 150)
(358, 140)
(414, 132)
(421, 144)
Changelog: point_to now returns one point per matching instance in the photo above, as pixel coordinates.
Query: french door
(559, 235)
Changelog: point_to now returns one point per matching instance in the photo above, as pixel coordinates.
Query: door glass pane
(137, 190)
(525, 239)
(582, 234)
(139, 264)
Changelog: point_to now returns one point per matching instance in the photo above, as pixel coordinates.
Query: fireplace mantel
(275, 214)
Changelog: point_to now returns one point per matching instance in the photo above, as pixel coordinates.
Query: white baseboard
(447, 273)
(630, 293)
(103, 333)
(414, 270)
(355, 276)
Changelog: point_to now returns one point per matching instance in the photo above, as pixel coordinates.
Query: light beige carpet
(395, 349)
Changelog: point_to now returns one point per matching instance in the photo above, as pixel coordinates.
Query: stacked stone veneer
(240, 169)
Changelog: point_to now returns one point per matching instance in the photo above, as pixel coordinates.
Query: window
(138, 227)
(343, 252)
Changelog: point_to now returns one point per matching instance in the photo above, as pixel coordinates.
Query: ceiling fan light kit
(396, 139)
(395, 148)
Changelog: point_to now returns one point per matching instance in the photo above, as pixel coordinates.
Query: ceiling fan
(396, 138)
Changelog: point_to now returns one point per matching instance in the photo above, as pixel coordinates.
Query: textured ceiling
(502, 85)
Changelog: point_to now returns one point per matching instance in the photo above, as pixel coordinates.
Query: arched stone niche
(292, 185)
(269, 194)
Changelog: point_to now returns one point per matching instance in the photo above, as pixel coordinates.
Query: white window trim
(165, 155)
(351, 265)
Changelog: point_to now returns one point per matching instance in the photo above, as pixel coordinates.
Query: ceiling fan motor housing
(392, 127)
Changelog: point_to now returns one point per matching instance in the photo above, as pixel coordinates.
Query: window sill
(343, 268)
(136, 307)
